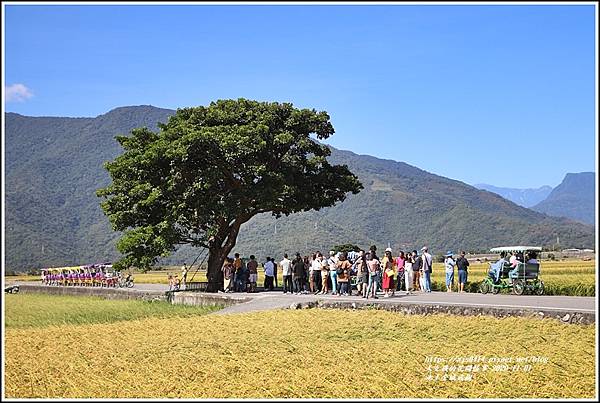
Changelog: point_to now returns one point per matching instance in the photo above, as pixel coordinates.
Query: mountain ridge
(573, 198)
(523, 197)
(53, 218)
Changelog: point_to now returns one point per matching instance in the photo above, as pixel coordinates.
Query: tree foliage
(347, 247)
(210, 169)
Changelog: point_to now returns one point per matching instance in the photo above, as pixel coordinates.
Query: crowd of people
(340, 273)
(94, 275)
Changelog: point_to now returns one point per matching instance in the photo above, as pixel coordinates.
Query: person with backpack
(343, 273)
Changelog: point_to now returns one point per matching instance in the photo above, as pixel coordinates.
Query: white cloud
(17, 93)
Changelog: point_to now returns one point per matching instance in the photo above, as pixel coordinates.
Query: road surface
(276, 299)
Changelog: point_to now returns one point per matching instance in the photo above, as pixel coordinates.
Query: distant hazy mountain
(574, 198)
(53, 217)
(522, 197)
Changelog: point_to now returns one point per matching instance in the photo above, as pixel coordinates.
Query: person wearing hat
(449, 264)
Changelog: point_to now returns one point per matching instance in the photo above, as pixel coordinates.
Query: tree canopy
(210, 169)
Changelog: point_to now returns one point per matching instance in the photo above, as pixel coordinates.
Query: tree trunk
(214, 273)
(216, 256)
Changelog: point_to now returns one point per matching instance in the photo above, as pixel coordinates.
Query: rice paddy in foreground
(294, 354)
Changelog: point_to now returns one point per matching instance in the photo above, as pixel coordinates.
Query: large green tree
(210, 169)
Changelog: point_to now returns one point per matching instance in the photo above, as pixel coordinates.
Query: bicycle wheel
(484, 287)
(539, 289)
(519, 287)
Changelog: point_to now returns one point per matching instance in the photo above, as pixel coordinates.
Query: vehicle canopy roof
(516, 249)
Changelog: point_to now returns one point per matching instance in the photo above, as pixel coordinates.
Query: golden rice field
(568, 277)
(295, 354)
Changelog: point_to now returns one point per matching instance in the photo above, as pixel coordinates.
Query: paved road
(276, 299)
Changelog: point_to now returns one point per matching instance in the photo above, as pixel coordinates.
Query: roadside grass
(313, 353)
(41, 310)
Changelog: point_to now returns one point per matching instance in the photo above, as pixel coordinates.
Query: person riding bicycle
(496, 268)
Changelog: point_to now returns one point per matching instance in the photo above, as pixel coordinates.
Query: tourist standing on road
(343, 267)
(184, 272)
(275, 272)
(388, 272)
(332, 261)
(427, 268)
(269, 271)
(286, 270)
(244, 277)
(315, 273)
(324, 275)
(318, 278)
(252, 273)
(297, 273)
(408, 272)
(449, 264)
(362, 273)
(237, 267)
(418, 271)
(463, 264)
(374, 268)
(305, 275)
(228, 272)
(400, 261)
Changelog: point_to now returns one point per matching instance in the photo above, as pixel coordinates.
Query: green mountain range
(574, 198)
(52, 215)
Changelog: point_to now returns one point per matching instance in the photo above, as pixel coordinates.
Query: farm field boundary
(566, 309)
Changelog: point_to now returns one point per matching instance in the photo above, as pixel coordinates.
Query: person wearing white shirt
(286, 270)
(449, 264)
(332, 261)
(269, 271)
(315, 274)
(427, 265)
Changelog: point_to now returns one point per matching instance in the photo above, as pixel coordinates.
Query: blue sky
(493, 94)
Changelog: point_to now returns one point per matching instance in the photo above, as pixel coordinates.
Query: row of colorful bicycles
(93, 275)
